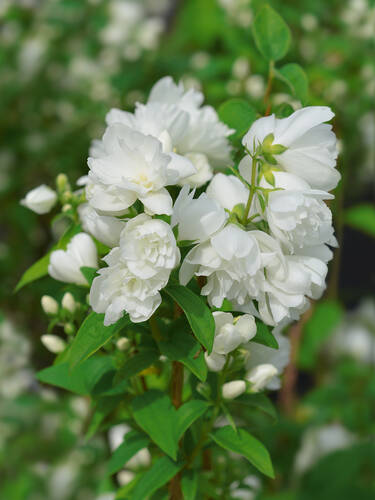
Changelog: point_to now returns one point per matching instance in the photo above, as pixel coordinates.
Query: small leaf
(40, 267)
(92, 335)
(238, 114)
(160, 473)
(361, 217)
(258, 401)
(264, 336)
(246, 445)
(103, 408)
(271, 34)
(154, 413)
(189, 413)
(89, 273)
(198, 314)
(293, 75)
(137, 363)
(133, 442)
(284, 110)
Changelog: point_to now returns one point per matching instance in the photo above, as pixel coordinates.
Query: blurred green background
(63, 64)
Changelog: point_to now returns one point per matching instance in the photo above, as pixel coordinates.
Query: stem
(155, 332)
(252, 188)
(268, 89)
(177, 383)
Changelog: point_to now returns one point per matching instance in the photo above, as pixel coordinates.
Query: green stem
(252, 189)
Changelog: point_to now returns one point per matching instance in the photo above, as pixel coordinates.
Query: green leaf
(40, 267)
(293, 75)
(238, 114)
(198, 314)
(89, 273)
(189, 413)
(246, 445)
(82, 379)
(326, 316)
(258, 401)
(284, 110)
(189, 484)
(92, 335)
(264, 336)
(271, 34)
(133, 442)
(103, 408)
(160, 473)
(186, 350)
(362, 217)
(154, 413)
(137, 363)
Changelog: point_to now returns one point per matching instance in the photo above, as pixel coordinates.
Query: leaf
(326, 316)
(81, 379)
(160, 473)
(40, 267)
(198, 314)
(133, 442)
(185, 349)
(189, 413)
(246, 445)
(271, 34)
(362, 217)
(293, 75)
(264, 336)
(189, 484)
(92, 335)
(103, 408)
(284, 110)
(154, 413)
(89, 273)
(137, 363)
(238, 114)
(258, 401)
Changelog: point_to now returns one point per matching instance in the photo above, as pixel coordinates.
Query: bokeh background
(63, 64)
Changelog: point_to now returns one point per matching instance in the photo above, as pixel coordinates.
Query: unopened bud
(67, 207)
(49, 305)
(69, 328)
(260, 376)
(68, 302)
(123, 344)
(53, 343)
(62, 183)
(233, 389)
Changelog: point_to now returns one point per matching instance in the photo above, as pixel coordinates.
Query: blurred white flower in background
(40, 199)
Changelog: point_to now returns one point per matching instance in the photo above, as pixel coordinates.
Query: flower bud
(123, 344)
(40, 200)
(67, 207)
(53, 343)
(260, 376)
(69, 328)
(68, 302)
(49, 305)
(233, 389)
(62, 183)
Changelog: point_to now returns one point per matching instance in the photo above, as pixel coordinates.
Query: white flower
(204, 170)
(40, 199)
(311, 145)
(229, 334)
(133, 166)
(197, 219)
(49, 305)
(104, 228)
(265, 365)
(230, 261)
(297, 215)
(149, 247)
(228, 190)
(53, 343)
(68, 302)
(233, 389)
(64, 265)
(117, 289)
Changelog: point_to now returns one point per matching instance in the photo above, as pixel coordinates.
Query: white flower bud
(53, 343)
(40, 200)
(123, 344)
(49, 305)
(260, 376)
(124, 477)
(233, 389)
(68, 302)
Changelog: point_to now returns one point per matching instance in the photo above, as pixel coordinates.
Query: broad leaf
(271, 34)
(40, 267)
(189, 413)
(246, 445)
(238, 114)
(264, 336)
(103, 408)
(258, 401)
(133, 442)
(198, 314)
(362, 217)
(137, 363)
(160, 473)
(92, 335)
(293, 75)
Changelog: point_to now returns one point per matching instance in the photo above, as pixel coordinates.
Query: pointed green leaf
(271, 34)
(293, 75)
(238, 114)
(189, 413)
(264, 336)
(137, 363)
(198, 314)
(189, 484)
(89, 273)
(246, 445)
(133, 442)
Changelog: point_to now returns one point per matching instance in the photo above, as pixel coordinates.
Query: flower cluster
(257, 238)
